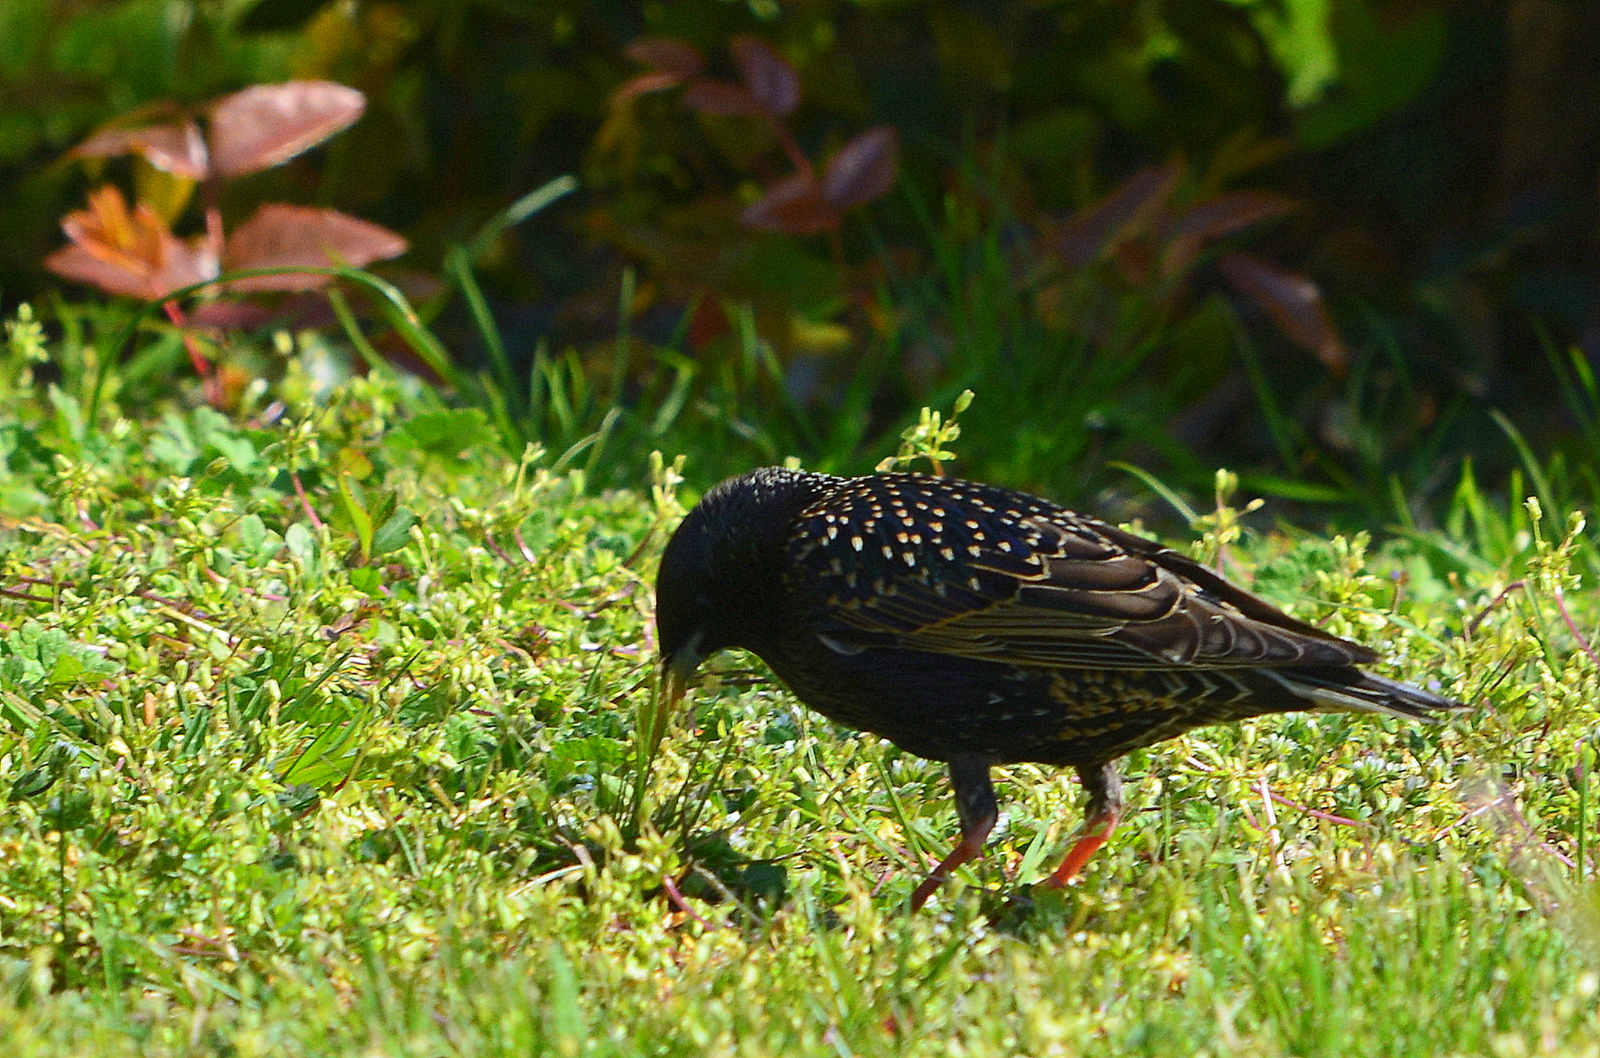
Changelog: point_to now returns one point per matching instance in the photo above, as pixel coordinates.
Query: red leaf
(667, 54)
(720, 97)
(232, 315)
(1226, 214)
(708, 323)
(74, 262)
(268, 124)
(282, 236)
(128, 252)
(1191, 230)
(771, 80)
(794, 205)
(645, 83)
(304, 310)
(1089, 235)
(173, 146)
(1292, 301)
(864, 168)
(1134, 258)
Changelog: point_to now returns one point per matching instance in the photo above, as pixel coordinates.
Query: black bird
(978, 626)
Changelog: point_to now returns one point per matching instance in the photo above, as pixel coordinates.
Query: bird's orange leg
(1105, 808)
(975, 804)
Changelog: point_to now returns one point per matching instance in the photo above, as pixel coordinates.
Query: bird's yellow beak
(675, 676)
(676, 672)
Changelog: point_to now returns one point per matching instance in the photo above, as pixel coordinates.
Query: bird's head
(722, 571)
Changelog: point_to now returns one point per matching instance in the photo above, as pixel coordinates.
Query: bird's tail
(1352, 689)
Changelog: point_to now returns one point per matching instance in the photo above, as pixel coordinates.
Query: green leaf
(355, 510)
(449, 434)
(1301, 38)
(394, 533)
(1289, 489)
(34, 656)
(302, 544)
(1064, 132)
(252, 533)
(67, 669)
(1381, 68)
(276, 16)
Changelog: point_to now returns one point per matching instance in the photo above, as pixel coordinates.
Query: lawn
(318, 733)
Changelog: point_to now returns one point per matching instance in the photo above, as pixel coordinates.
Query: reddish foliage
(770, 79)
(1090, 235)
(266, 125)
(1222, 216)
(283, 236)
(721, 97)
(1292, 301)
(173, 145)
(800, 203)
(667, 55)
(128, 252)
(794, 205)
(1226, 214)
(644, 84)
(1139, 228)
(134, 253)
(864, 169)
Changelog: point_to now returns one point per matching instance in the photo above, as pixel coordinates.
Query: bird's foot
(1085, 847)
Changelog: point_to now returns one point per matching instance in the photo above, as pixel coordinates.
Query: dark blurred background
(1344, 246)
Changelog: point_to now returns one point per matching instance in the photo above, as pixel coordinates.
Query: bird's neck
(752, 598)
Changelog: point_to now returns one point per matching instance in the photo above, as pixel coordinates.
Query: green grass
(358, 783)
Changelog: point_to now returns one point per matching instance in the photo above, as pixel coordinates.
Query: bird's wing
(1042, 587)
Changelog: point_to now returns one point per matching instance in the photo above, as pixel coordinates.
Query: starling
(977, 626)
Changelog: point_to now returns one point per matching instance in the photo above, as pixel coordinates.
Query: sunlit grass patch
(283, 781)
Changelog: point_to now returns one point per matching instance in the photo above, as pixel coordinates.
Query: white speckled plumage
(976, 625)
